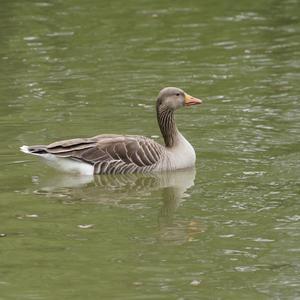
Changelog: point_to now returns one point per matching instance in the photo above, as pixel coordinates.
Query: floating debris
(195, 282)
(21, 217)
(86, 226)
(3, 234)
(32, 216)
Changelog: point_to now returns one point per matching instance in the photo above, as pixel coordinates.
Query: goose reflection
(120, 187)
(131, 191)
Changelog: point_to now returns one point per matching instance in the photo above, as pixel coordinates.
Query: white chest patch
(183, 155)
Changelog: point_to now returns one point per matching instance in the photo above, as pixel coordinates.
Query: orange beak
(190, 100)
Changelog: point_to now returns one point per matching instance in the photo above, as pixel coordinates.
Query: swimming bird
(113, 154)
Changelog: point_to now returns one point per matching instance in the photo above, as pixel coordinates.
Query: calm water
(228, 229)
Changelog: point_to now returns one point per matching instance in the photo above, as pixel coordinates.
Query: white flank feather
(63, 164)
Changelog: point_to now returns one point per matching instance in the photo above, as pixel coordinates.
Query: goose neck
(167, 125)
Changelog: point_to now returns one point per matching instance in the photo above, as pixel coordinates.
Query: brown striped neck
(166, 122)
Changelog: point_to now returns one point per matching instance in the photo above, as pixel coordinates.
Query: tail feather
(35, 150)
(62, 163)
(25, 149)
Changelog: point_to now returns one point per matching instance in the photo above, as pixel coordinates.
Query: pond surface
(228, 229)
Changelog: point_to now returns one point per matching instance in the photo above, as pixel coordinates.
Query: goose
(114, 154)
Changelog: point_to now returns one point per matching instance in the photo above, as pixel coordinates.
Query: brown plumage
(111, 154)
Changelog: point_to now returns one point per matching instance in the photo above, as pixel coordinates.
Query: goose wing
(109, 154)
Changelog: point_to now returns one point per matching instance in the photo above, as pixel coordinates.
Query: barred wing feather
(109, 154)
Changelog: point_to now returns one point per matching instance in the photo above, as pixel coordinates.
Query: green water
(228, 229)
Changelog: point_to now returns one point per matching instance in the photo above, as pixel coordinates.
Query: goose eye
(177, 94)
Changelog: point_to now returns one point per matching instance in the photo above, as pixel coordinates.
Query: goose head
(173, 98)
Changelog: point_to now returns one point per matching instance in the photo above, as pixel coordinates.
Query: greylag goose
(112, 154)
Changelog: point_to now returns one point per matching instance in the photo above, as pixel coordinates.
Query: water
(228, 229)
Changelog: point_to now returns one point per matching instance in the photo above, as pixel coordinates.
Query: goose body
(112, 154)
